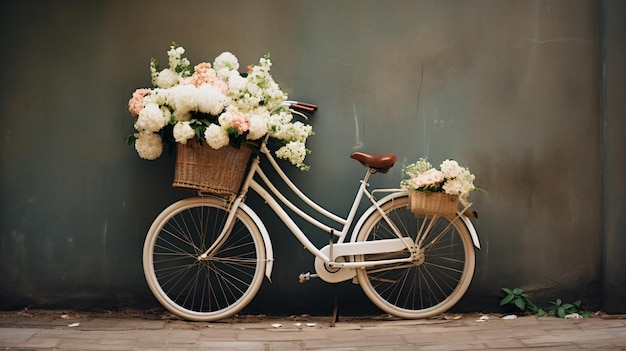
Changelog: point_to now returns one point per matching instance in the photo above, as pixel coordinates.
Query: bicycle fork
(228, 226)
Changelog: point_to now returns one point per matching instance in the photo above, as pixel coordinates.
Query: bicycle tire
(203, 290)
(438, 276)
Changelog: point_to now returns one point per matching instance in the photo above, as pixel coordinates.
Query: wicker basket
(217, 172)
(433, 203)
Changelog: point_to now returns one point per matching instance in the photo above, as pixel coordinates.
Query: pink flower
(135, 104)
(204, 74)
(430, 177)
(235, 119)
(239, 120)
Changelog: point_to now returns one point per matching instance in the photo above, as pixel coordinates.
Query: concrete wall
(512, 89)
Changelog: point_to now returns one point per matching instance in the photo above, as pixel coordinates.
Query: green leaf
(532, 307)
(508, 291)
(130, 139)
(507, 299)
(561, 312)
(520, 303)
(518, 291)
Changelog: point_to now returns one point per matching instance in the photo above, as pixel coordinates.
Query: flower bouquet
(214, 115)
(437, 191)
(214, 105)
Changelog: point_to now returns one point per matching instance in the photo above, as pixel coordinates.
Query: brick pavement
(137, 330)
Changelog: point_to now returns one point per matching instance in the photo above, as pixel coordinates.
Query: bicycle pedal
(305, 277)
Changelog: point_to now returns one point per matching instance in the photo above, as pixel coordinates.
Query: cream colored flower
(183, 132)
(216, 136)
(149, 146)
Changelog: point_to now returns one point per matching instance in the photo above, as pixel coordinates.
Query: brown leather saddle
(376, 163)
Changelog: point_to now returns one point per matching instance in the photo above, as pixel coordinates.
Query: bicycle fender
(472, 231)
(269, 251)
(368, 212)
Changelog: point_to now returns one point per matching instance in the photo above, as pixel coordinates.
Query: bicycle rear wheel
(211, 288)
(439, 273)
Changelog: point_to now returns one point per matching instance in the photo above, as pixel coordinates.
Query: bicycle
(205, 257)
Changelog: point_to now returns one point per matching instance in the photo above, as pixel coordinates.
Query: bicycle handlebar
(300, 108)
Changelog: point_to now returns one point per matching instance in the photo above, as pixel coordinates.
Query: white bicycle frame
(330, 254)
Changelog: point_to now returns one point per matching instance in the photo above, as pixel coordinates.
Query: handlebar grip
(302, 108)
(306, 104)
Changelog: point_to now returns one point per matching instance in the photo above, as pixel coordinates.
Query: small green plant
(519, 299)
(561, 309)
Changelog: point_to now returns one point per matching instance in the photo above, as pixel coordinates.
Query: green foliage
(560, 309)
(130, 139)
(520, 300)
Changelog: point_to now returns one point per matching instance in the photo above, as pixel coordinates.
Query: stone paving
(58, 330)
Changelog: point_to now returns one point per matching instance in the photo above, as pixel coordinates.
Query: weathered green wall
(512, 89)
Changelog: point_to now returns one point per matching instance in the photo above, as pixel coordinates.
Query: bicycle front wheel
(203, 288)
(439, 273)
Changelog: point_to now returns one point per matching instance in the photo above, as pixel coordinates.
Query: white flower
(281, 129)
(236, 83)
(282, 117)
(183, 132)
(226, 62)
(175, 58)
(167, 78)
(156, 96)
(458, 186)
(260, 88)
(294, 152)
(258, 127)
(216, 136)
(462, 185)
(182, 99)
(153, 72)
(149, 146)
(450, 168)
(298, 131)
(210, 99)
(152, 118)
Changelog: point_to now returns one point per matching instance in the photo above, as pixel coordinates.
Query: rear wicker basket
(433, 203)
(217, 172)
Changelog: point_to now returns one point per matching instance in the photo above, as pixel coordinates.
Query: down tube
(293, 227)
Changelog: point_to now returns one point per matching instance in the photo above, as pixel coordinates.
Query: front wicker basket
(217, 172)
(433, 203)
